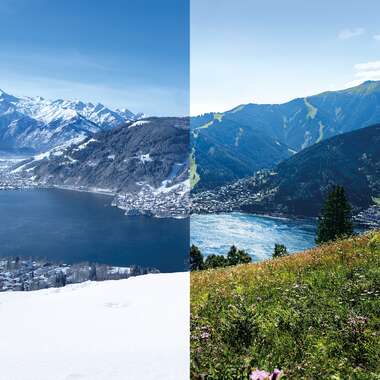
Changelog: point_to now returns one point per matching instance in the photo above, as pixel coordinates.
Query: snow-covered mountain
(35, 124)
(143, 163)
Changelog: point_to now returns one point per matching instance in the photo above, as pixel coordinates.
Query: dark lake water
(74, 226)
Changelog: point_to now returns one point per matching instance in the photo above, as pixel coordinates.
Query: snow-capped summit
(34, 124)
(4, 97)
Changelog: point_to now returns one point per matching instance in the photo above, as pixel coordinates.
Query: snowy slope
(128, 329)
(144, 162)
(37, 124)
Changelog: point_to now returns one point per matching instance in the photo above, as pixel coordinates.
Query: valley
(245, 193)
(68, 201)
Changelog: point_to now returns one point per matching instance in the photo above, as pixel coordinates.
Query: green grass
(218, 116)
(194, 176)
(321, 127)
(315, 315)
(206, 125)
(311, 110)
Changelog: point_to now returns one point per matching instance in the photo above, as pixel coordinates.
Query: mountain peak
(4, 95)
(98, 107)
(367, 82)
(52, 122)
(366, 88)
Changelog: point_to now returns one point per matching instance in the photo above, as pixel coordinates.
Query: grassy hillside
(315, 315)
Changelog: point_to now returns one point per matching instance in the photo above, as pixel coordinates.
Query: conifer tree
(335, 219)
(279, 250)
(196, 258)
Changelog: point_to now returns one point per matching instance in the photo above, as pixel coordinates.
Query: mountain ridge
(35, 124)
(298, 185)
(143, 163)
(296, 125)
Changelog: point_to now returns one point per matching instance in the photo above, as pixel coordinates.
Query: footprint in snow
(116, 305)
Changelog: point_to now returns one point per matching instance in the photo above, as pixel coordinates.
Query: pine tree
(196, 258)
(335, 220)
(279, 250)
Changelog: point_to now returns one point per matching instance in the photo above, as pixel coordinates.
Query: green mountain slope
(298, 185)
(225, 151)
(255, 136)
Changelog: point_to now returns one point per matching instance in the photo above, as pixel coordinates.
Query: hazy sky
(272, 51)
(123, 53)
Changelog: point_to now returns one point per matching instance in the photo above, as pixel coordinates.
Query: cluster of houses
(369, 217)
(171, 202)
(18, 274)
(13, 179)
(231, 197)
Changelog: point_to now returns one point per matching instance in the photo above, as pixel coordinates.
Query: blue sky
(123, 53)
(272, 51)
